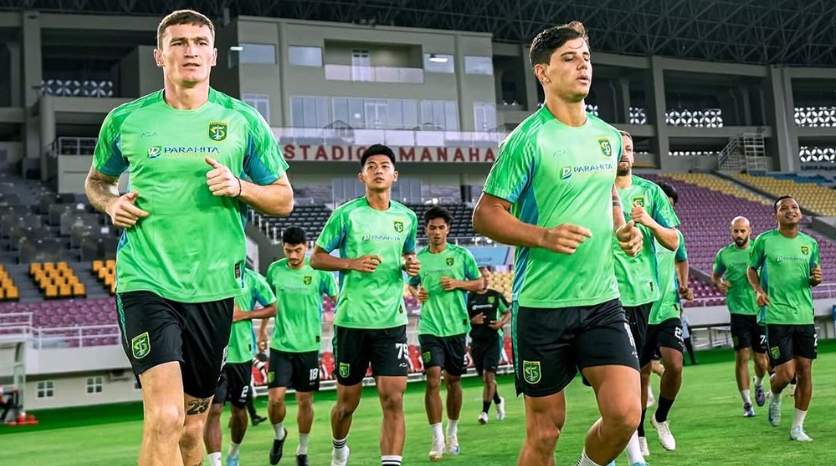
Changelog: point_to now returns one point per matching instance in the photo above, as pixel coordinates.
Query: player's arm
(681, 266)
(492, 217)
(262, 332)
(661, 221)
(265, 312)
(628, 235)
(272, 199)
(323, 260)
(815, 268)
(756, 260)
(717, 273)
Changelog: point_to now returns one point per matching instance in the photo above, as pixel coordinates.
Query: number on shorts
(815, 340)
(402, 350)
(314, 375)
(244, 392)
(763, 340)
(678, 333)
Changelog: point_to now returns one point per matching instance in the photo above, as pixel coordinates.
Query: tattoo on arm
(198, 406)
(101, 189)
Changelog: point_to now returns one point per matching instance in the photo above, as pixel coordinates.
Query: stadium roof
(789, 32)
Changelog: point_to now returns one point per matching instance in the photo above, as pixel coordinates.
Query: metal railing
(62, 337)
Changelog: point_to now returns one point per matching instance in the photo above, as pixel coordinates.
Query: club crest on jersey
(307, 279)
(805, 250)
(638, 201)
(491, 299)
(399, 226)
(531, 371)
(606, 147)
(140, 346)
(345, 369)
(450, 261)
(218, 130)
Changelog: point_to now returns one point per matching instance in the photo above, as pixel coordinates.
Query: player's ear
(214, 56)
(158, 57)
(395, 176)
(360, 177)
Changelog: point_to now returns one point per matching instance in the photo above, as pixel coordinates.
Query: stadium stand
(808, 191)
(8, 289)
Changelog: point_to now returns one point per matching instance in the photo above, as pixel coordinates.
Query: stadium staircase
(746, 151)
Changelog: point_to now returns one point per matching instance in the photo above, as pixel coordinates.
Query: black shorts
(637, 317)
(299, 371)
(485, 354)
(666, 334)
(747, 333)
(447, 353)
(787, 342)
(234, 385)
(156, 330)
(355, 348)
(552, 345)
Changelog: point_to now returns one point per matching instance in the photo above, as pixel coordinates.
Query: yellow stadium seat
(111, 264)
(12, 293)
(35, 267)
(51, 291)
(65, 291)
(97, 265)
(78, 290)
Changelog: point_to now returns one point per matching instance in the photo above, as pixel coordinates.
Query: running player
(188, 149)
(296, 341)
(376, 240)
(551, 193)
(790, 260)
(447, 273)
(234, 384)
(664, 333)
(489, 312)
(732, 262)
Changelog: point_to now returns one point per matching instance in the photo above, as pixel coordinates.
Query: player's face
(187, 55)
(437, 231)
(295, 253)
(740, 232)
(485, 280)
(568, 74)
(379, 173)
(788, 212)
(625, 165)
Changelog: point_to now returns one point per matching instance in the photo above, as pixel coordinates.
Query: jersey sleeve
(263, 161)
(757, 255)
(719, 267)
(681, 252)
(513, 169)
(814, 256)
(412, 237)
(262, 292)
(663, 212)
(414, 281)
(503, 305)
(107, 156)
(333, 233)
(471, 270)
(327, 284)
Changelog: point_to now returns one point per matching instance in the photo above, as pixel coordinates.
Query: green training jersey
(785, 265)
(638, 276)
(445, 312)
(371, 300)
(254, 290)
(733, 262)
(191, 247)
(298, 325)
(667, 307)
(552, 174)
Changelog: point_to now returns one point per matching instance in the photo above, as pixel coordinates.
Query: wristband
(240, 188)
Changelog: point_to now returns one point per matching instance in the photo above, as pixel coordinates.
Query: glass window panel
(260, 54)
(304, 56)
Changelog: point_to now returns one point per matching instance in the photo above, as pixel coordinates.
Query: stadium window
(439, 115)
(45, 389)
(484, 116)
(438, 63)
(257, 54)
(361, 65)
(304, 56)
(94, 385)
(260, 102)
(478, 65)
(309, 112)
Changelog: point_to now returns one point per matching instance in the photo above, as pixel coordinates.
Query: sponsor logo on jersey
(218, 130)
(566, 173)
(180, 151)
(606, 147)
(155, 151)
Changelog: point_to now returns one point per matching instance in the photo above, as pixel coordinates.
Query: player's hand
(123, 211)
(564, 238)
(478, 319)
(815, 276)
(263, 341)
(724, 286)
(629, 238)
(763, 299)
(411, 265)
(450, 284)
(238, 315)
(221, 181)
(686, 293)
(641, 217)
(366, 264)
(423, 295)
(495, 324)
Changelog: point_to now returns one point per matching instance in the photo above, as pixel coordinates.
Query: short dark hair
(544, 45)
(182, 17)
(625, 133)
(377, 149)
(670, 191)
(778, 201)
(294, 235)
(435, 212)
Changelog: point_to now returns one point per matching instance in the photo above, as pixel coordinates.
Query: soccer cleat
(452, 447)
(277, 449)
(664, 432)
(775, 411)
(500, 409)
(302, 460)
(339, 458)
(437, 451)
(797, 433)
(760, 395)
(483, 418)
(232, 461)
(258, 420)
(748, 410)
(643, 447)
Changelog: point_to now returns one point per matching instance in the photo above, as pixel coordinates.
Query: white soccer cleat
(339, 457)
(797, 433)
(643, 447)
(775, 411)
(500, 409)
(665, 435)
(483, 418)
(437, 451)
(452, 446)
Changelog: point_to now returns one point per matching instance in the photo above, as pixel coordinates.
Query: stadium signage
(325, 153)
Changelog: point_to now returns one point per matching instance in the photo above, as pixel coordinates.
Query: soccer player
(376, 240)
(788, 261)
(236, 379)
(448, 272)
(296, 341)
(551, 193)
(637, 281)
(489, 312)
(188, 149)
(732, 262)
(664, 333)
